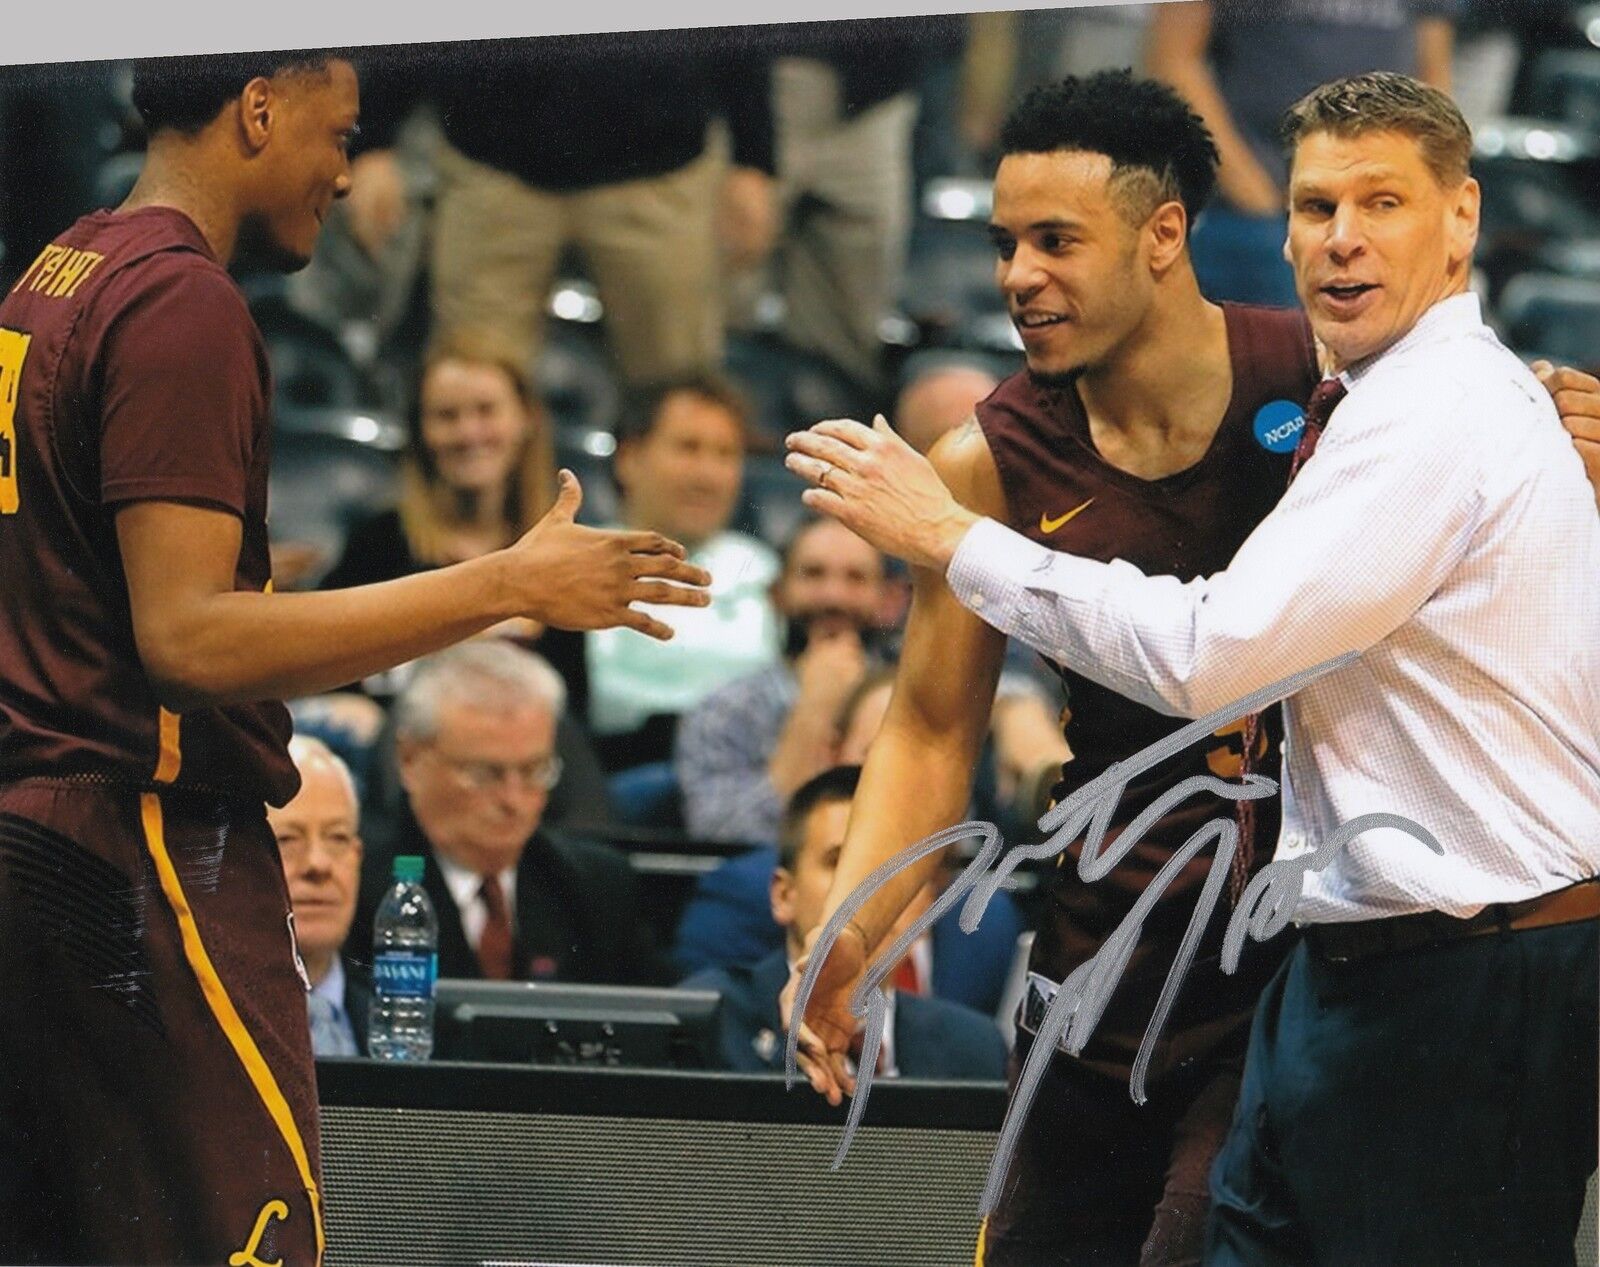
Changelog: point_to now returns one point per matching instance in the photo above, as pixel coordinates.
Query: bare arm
(204, 644)
(1577, 397)
(918, 775)
(826, 672)
(1176, 47)
(1436, 47)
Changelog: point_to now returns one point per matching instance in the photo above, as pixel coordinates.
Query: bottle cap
(408, 867)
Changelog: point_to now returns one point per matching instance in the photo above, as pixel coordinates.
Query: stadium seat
(770, 506)
(789, 389)
(950, 272)
(1548, 315)
(587, 454)
(647, 796)
(574, 376)
(1565, 87)
(1538, 180)
(311, 367)
(330, 468)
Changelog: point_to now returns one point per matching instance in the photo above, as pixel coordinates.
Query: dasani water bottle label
(404, 974)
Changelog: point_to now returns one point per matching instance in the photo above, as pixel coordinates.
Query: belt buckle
(1327, 952)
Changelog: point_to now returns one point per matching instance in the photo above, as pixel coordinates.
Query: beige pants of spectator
(649, 246)
(845, 186)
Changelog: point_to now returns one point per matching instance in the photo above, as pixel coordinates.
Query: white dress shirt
(1444, 529)
(464, 885)
(331, 988)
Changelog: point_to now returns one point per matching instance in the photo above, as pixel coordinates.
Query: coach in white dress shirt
(1421, 1083)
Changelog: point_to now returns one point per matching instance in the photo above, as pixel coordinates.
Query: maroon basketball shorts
(1099, 1181)
(157, 1093)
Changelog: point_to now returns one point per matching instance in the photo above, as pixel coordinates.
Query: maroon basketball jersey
(130, 369)
(1060, 492)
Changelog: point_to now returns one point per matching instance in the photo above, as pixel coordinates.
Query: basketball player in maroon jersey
(1151, 426)
(157, 1097)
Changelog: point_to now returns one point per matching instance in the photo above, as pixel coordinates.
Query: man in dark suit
(319, 840)
(475, 742)
(923, 1038)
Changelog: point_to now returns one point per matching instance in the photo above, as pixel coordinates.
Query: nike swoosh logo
(1050, 525)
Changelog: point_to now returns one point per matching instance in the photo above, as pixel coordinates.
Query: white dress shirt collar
(331, 987)
(1458, 314)
(464, 883)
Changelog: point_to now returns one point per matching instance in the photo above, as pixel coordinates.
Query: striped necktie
(494, 947)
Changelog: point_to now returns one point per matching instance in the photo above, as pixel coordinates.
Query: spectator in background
(728, 920)
(923, 1037)
(319, 839)
(479, 471)
(844, 104)
(475, 732)
(680, 461)
(745, 748)
(1009, 53)
(1241, 67)
(937, 398)
(598, 144)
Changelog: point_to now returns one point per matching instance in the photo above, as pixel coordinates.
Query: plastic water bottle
(405, 962)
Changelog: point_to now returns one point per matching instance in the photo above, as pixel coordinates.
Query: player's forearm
(239, 647)
(915, 782)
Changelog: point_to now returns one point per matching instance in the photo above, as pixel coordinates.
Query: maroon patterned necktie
(494, 947)
(1324, 400)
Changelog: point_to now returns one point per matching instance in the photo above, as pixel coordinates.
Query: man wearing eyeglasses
(319, 840)
(475, 737)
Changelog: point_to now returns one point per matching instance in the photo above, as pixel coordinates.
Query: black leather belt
(1364, 939)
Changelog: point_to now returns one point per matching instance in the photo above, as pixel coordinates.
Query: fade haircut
(186, 93)
(1160, 149)
(643, 407)
(1384, 101)
(827, 788)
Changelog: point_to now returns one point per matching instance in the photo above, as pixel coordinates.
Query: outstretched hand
(877, 485)
(574, 577)
(1577, 398)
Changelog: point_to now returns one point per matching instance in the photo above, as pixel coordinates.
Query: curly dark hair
(186, 93)
(1160, 149)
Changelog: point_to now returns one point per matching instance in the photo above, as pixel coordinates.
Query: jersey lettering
(246, 1257)
(13, 351)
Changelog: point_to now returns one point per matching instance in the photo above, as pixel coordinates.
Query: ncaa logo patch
(1278, 426)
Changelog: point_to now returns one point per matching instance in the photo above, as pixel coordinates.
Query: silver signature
(1264, 910)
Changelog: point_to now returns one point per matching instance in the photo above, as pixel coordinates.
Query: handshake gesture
(575, 577)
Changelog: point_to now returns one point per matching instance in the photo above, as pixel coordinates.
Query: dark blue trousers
(1437, 1106)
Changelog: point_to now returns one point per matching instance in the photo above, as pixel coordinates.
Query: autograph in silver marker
(1265, 908)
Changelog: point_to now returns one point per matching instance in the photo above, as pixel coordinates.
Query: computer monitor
(554, 1023)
